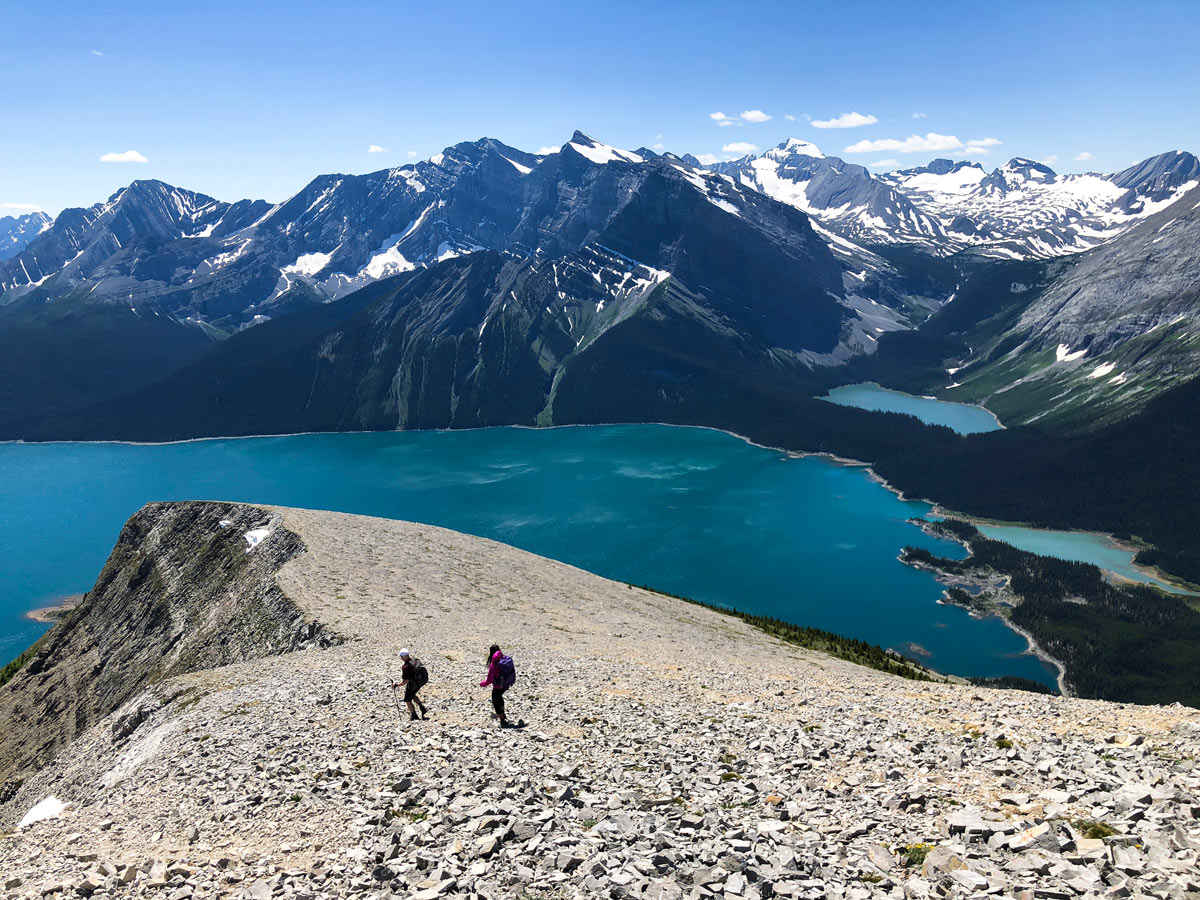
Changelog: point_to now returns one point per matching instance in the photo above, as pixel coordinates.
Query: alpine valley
(493, 286)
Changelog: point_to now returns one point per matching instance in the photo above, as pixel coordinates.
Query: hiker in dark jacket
(412, 682)
(500, 675)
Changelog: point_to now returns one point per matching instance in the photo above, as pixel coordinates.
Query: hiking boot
(416, 718)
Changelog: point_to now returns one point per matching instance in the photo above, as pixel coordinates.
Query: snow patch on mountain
(308, 264)
(600, 153)
(1064, 354)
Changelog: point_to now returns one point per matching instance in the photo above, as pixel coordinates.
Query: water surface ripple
(687, 510)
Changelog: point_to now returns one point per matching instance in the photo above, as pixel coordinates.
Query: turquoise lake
(965, 418)
(1079, 546)
(691, 511)
(962, 417)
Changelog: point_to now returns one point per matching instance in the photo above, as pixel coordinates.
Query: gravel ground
(668, 752)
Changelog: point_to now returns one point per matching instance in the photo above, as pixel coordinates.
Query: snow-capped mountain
(845, 198)
(225, 266)
(506, 267)
(1024, 209)
(17, 231)
(1103, 332)
(774, 264)
(1020, 210)
(108, 245)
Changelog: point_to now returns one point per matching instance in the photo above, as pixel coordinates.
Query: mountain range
(477, 286)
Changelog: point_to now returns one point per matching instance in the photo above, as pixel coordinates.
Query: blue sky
(253, 102)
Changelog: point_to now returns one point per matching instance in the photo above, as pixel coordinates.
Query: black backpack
(420, 673)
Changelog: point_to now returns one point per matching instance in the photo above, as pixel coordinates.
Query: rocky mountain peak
(17, 231)
(1159, 177)
(940, 166)
(1017, 172)
(796, 147)
(597, 152)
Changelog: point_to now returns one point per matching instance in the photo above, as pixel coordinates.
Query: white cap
(404, 652)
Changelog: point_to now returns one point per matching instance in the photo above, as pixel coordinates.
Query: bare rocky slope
(670, 751)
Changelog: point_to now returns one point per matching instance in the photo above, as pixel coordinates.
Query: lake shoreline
(55, 613)
(1153, 572)
(828, 398)
(1033, 649)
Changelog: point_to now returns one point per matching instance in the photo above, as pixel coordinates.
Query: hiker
(501, 675)
(412, 678)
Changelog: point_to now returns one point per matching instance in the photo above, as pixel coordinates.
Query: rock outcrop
(189, 586)
(670, 752)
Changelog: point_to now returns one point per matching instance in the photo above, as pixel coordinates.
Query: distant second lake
(691, 511)
(964, 418)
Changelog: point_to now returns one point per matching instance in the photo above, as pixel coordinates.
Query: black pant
(498, 701)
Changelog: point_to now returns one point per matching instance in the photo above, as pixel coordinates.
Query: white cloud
(790, 117)
(755, 115)
(546, 151)
(127, 156)
(884, 164)
(920, 115)
(1050, 160)
(657, 146)
(21, 207)
(97, 53)
(930, 143)
(1085, 156)
(375, 148)
(721, 119)
(740, 147)
(980, 146)
(846, 120)
(707, 159)
(412, 154)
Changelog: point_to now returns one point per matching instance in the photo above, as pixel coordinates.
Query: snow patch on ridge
(255, 537)
(49, 808)
(1064, 354)
(308, 264)
(524, 170)
(603, 153)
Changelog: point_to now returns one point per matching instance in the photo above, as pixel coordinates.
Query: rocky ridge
(1103, 335)
(670, 751)
(17, 231)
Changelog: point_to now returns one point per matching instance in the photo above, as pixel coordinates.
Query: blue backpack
(506, 672)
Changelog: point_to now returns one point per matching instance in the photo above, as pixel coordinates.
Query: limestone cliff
(189, 586)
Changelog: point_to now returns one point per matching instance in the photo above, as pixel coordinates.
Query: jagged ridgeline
(668, 749)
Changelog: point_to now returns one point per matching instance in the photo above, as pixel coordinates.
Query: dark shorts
(410, 692)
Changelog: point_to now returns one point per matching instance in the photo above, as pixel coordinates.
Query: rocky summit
(668, 751)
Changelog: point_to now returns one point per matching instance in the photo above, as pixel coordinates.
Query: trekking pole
(396, 700)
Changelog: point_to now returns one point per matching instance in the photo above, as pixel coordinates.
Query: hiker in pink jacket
(501, 675)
